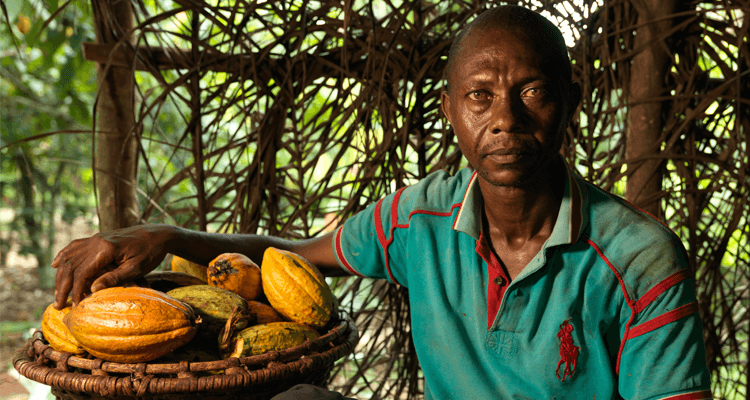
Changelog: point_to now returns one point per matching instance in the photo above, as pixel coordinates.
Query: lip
(507, 156)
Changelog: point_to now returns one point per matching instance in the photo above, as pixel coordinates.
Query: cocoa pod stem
(237, 315)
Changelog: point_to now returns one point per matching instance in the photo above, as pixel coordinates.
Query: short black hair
(511, 17)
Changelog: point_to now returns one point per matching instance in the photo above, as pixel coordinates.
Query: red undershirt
(498, 279)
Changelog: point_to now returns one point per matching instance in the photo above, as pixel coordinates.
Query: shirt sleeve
(376, 242)
(662, 353)
(362, 243)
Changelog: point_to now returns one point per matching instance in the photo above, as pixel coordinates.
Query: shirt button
(499, 281)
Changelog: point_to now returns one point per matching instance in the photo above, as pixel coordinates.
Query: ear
(445, 105)
(575, 94)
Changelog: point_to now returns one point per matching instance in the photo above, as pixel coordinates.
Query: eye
(478, 95)
(533, 92)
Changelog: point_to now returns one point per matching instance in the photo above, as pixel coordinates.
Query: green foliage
(46, 96)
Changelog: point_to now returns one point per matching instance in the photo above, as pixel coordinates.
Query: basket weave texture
(256, 377)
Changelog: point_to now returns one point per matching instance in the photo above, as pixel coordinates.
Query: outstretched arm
(112, 258)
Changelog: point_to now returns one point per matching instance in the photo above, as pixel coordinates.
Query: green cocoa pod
(214, 305)
(259, 339)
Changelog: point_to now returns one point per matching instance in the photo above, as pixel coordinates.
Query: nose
(507, 115)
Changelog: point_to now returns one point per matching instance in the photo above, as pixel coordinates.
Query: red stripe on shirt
(433, 213)
(379, 224)
(664, 319)
(700, 395)
(630, 302)
(394, 222)
(385, 243)
(661, 287)
(381, 234)
(340, 251)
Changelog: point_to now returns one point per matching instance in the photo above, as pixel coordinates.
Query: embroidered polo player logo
(568, 351)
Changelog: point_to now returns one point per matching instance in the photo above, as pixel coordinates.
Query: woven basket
(255, 377)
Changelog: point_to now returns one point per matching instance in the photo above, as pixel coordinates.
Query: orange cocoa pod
(131, 325)
(56, 333)
(237, 273)
(264, 313)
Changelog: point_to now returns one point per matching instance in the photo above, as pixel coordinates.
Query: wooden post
(645, 124)
(195, 123)
(116, 160)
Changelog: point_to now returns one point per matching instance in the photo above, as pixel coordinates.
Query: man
(525, 281)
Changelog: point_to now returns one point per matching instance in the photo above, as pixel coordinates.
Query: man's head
(510, 95)
(542, 35)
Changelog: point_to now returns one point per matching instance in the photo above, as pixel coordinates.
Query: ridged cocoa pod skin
(131, 325)
(56, 333)
(213, 305)
(264, 313)
(259, 339)
(296, 288)
(237, 273)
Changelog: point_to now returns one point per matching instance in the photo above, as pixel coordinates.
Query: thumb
(116, 277)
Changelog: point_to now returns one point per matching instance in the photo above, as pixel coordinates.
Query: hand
(108, 259)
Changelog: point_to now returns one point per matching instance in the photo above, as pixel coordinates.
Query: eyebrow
(484, 77)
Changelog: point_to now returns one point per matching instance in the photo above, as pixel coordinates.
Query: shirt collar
(570, 220)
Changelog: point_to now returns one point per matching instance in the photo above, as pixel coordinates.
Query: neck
(516, 215)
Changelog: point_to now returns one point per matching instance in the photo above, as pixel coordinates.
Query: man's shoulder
(437, 192)
(642, 250)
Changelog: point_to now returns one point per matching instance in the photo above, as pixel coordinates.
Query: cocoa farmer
(525, 281)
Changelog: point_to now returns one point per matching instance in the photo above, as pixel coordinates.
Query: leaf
(13, 7)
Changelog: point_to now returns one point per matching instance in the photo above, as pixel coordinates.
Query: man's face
(509, 114)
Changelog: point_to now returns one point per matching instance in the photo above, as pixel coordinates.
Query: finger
(84, 274)
(65, 263)
(117, 277)
(80, 284)
(63, 284)
(63, 254)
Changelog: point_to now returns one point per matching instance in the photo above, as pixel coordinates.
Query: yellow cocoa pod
(57, 334)
(180, 264)
(214, 305)
(296, 289)
(259, 339)
(237, 273)
(264, 313)
(131, 325)
(23, 24)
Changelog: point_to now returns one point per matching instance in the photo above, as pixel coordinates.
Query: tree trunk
(645, 124)
(116, 163)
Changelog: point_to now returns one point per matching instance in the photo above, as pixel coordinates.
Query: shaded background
(285, 118)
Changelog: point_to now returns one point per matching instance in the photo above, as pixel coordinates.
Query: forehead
(500, 50)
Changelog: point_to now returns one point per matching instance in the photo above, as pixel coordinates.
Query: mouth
(509, 156)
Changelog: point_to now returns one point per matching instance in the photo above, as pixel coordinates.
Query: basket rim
(241, 372)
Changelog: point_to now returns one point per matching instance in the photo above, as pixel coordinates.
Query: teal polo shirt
(606, 309)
